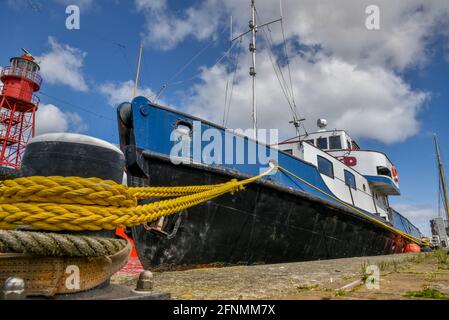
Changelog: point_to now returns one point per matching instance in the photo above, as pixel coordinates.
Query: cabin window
(334, 142)
(289, 151)
(321, 143)
(311, 141)
(348, 144)
(350, 180)
(325, 167)
(383, 171)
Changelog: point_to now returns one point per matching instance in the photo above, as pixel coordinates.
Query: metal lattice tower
(18, 106)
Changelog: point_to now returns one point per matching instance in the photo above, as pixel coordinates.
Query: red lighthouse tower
(18, 106)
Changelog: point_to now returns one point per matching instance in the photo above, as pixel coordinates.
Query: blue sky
(387, 87)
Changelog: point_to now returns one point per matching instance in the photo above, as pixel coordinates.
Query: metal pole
(138, 71)
(442, 178)
(252, 71)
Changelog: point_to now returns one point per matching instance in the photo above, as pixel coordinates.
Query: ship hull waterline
(264, 224)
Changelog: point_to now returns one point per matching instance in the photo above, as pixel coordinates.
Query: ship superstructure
(363, 178)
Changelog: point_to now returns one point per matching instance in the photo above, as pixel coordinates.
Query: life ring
(395, 174)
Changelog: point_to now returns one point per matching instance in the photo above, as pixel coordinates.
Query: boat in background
(439, 226)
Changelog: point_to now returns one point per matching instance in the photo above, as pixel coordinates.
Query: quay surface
(402, 276)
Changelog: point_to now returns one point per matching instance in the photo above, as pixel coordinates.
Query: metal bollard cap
(146, 281)
(14, 289)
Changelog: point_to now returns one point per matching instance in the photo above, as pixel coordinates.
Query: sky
(387, 87)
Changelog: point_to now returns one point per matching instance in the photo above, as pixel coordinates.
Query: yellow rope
(76, 204)
(385, 225)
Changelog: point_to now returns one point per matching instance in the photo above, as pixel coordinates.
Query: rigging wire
(162, 89)
(278, 72)
(37, 6)
(269, 40)
(234, 75)
(185, 66)
(225, 100)
(288, 91)
(74, 106)
(288, 62)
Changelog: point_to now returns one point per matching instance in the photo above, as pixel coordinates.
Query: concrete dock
(401, 276)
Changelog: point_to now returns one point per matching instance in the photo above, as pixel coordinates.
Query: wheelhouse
(364, 178)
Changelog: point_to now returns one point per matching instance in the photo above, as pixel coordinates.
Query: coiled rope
(76, 204)
(58, 245)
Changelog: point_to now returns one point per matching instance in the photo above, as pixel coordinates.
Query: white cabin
(361, 178)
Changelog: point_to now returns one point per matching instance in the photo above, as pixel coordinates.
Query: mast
(252, 70)
(442, 178)
(252, 48)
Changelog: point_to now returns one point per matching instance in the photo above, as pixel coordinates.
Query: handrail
(21, 72)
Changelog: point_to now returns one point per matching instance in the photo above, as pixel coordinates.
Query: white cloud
(166, 29)
(117, 93)
(338, 27)
(419, 215)
(49, 118)
(341, 71)
(63, 65)
(372, 102)
(406, 27)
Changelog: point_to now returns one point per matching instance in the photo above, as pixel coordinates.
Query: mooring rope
(360, 212)
(76, 204)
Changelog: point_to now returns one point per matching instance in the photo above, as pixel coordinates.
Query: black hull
(263, 224)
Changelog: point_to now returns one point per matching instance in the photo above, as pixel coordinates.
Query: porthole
(183, 128)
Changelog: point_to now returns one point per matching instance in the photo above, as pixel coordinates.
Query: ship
(327, 197)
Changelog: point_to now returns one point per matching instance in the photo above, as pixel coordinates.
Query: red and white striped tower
(18, 106)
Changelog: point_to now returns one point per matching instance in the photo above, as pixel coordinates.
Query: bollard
(145, 282)
(69, 154)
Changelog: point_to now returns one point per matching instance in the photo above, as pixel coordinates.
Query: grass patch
(392, 265)
(440, 255)
(427, 293)
(383, 265)
(362, 270)
(340, 293)
(443, 266)
(418, 258)
(304, 288)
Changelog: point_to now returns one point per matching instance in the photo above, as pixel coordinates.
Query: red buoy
(412, 247)
(18, 106)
